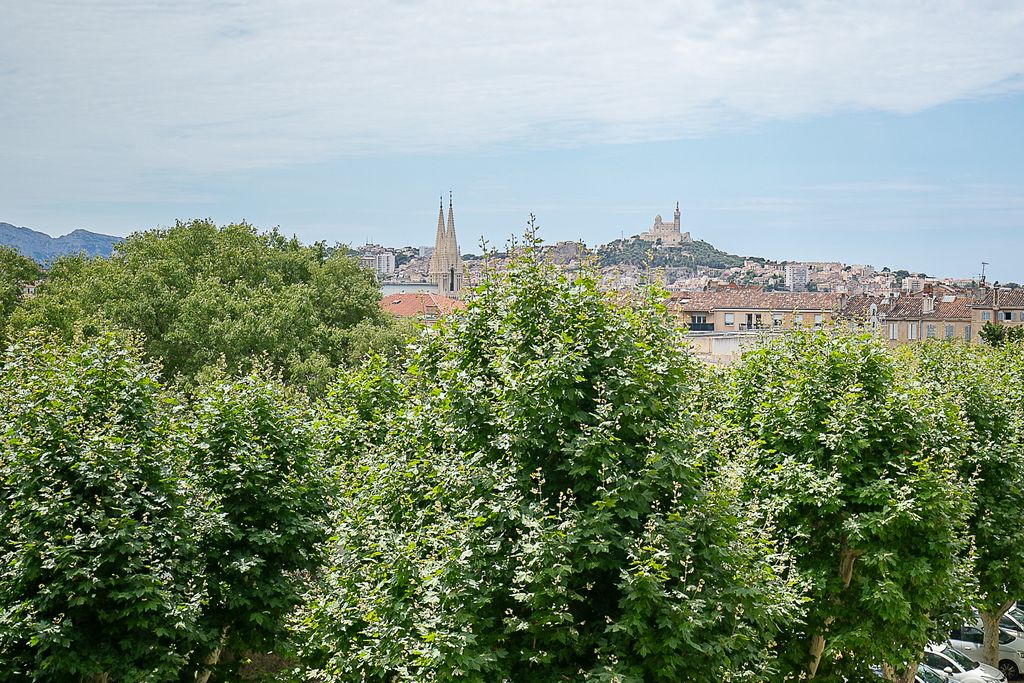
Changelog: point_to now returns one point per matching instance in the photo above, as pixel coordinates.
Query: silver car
(1011, 649)
(946, 658)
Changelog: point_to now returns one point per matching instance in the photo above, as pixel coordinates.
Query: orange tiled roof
(725, 299)
(419, 305)
(946, 306)
(1008, 298)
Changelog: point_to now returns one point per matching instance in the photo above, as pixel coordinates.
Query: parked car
(1011, 622)
(946, 658)
(926, 674)
(1011, 649)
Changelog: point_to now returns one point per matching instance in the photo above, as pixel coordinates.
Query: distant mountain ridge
(40, 247)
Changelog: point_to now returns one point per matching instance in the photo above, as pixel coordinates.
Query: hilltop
(634, 251)
(40, 247)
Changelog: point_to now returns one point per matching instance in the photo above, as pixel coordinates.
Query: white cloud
(112, 89)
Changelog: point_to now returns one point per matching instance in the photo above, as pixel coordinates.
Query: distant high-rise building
(796, 277)
(446, 268)
(381, 263)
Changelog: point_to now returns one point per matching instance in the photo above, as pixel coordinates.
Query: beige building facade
(744, 310)
(998, 306)
(905, 318)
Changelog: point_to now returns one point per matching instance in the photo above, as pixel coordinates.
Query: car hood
(990, 670)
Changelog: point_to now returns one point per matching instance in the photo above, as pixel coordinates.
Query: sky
(889, 133)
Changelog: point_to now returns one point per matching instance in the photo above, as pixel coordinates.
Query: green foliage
(255, 476)
(539, 495)
(199, 294)
(858, 463)
(637, 252)
(987, 386)
(996, 334)
(15, 270)
(96, 566)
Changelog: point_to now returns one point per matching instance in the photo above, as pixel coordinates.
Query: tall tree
(987, 386)
(255, 473)
(15, 271)
(202, 295)
(538, 495)
(859, 464)
(96, 565)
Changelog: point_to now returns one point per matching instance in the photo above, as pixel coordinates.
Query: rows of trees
(546, 488)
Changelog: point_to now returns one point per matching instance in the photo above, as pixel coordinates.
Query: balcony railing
(702, 327)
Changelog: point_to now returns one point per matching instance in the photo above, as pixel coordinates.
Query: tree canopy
(203, 296)
(987, 388)
(538, 496)
(96, 562)
(15, 271)
(859, 466)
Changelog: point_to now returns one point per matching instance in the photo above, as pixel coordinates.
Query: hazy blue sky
(889, 133)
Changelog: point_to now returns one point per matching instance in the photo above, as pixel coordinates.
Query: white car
(946, 658)
(1011, 622)
(1011, 649)
(926, 674)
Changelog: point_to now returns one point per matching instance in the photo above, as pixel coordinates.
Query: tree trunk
(904, 676)
(817, 647)
(847, 556)
(212, 659)
(990, 626)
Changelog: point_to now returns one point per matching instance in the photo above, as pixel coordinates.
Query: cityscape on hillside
(681, 263)
(724, 300)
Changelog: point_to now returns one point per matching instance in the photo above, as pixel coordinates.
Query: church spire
(439, 238)
(446, 268)
(451, 243)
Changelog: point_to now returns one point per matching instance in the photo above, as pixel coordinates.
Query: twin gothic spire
(446, 269)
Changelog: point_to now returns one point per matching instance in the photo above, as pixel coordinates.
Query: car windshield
(1018, 614)
(928, 675)
(1005, 637)
(965, 662)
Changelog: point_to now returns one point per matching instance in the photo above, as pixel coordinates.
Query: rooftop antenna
(983, 264)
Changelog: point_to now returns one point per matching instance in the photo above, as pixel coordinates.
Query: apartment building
(737, 310)
(997, 305)
(928, 314)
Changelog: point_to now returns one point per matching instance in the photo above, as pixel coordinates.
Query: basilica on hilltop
(666, 233)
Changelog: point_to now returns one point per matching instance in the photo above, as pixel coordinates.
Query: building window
(930, 331)
(698, 319)
(911, 331)
(798, 320)
(893, 333)
(817, 319)
(1006, 315)
(776, 320)
(949, 331)
(967, 333)
(986, 316)
(730, 318)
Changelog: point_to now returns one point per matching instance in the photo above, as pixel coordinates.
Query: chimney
(928, 304)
